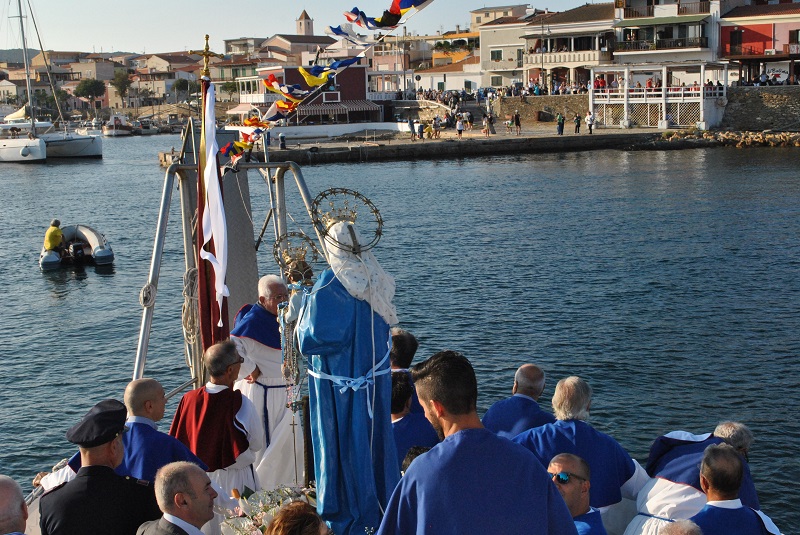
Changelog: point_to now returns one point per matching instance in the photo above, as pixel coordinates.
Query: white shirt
(185, 526)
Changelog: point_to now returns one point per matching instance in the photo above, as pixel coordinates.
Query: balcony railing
(501, 65)
(696, 8)
(638, 12)
(639, 94)
(583, 57)
(662, 44)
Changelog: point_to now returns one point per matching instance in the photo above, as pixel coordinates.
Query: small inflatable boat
(82, 244)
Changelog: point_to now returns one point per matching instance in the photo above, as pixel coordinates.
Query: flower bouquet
(255, 511)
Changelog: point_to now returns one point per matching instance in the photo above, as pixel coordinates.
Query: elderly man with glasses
(98, 500)
(257, 336)
(571, 475)
(220, 425)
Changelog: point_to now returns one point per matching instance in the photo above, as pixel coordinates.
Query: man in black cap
(98, 500)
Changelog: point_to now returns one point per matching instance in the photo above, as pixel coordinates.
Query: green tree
(122, 83)
(181, 85)
(91, 89)
(194, 87)
(230, 88)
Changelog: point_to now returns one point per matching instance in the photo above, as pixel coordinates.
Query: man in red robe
(220, 425)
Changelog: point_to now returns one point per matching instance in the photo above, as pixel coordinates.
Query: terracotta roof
(585, 13)
(504, 20)
(316, 39)
(763, 11)
(304, 16)
(497, 8)
(452, 67)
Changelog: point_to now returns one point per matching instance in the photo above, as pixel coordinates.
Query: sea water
(669, 280)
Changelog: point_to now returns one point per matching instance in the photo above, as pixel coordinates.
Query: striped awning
(660, 21)
(317, 109)
(361, 105)
(346, 106)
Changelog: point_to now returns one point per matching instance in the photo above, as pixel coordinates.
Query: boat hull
(110, 131)
(73, 145)
(23, 150)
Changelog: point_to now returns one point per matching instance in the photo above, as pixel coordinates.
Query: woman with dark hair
(297, 518)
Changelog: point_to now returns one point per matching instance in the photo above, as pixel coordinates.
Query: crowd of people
(519, 469)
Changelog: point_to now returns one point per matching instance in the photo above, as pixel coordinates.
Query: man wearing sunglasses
(571, 475)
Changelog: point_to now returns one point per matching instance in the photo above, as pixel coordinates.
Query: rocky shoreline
(740, 140)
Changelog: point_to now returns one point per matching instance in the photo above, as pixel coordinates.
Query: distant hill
(14, 55)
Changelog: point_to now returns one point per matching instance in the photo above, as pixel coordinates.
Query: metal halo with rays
(295, 247)
(341, 204)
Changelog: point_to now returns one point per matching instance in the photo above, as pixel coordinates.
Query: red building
(763, 39)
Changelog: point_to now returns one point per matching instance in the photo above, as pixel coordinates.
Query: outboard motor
(76, 251)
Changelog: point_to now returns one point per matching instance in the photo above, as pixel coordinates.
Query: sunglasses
(562, 478)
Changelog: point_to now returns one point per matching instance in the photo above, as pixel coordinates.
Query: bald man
(510, 417)
(146, 448)
(13, 511)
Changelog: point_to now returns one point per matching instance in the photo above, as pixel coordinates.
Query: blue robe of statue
(335, 332)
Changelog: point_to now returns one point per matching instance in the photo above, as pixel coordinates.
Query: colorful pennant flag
(293, 92)
(345, 31)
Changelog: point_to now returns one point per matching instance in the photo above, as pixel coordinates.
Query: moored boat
(83, 244)
(117, 125)
(22, 149)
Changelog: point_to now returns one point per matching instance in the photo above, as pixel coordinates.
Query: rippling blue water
(670, 280)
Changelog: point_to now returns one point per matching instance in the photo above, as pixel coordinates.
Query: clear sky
(172, 25)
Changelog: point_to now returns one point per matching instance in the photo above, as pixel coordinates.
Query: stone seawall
(545, 108)
(762, 108)
(630, 140)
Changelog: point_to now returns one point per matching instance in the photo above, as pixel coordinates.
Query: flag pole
(211, 227)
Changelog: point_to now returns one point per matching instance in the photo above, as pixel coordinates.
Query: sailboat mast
(27, 69)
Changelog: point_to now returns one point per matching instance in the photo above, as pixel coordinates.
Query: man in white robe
(257, 337)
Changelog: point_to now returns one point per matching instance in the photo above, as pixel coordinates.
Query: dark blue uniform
(97, 502)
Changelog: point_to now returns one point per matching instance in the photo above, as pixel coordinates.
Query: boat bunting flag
(292, 92)
(279, 110)
(345, 31)
(214, 246)
(317, 76)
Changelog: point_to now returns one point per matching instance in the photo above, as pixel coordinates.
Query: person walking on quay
(412, 129)
(560, 124)
(421, 130)
(485, 125)
(459, 126)
(577, 121)
(517, 122)
(589, 120)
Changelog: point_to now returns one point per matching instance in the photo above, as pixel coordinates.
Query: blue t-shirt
(510, 417)
(476, 482)
(722, 521)
(413, 430)
(610, 464)
(590, 523)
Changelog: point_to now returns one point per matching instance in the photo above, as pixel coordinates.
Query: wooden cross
(207, 54)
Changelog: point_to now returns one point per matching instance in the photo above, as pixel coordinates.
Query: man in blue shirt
(510, 417)
(146, 448)
(473, 481)
(720, 477)
(571, 475)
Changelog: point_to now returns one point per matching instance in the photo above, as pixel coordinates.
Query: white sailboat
(16, 145)
(61, 143)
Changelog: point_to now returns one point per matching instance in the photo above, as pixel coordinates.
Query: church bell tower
(305, 25)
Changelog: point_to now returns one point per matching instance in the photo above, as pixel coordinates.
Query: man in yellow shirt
(53, 238)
